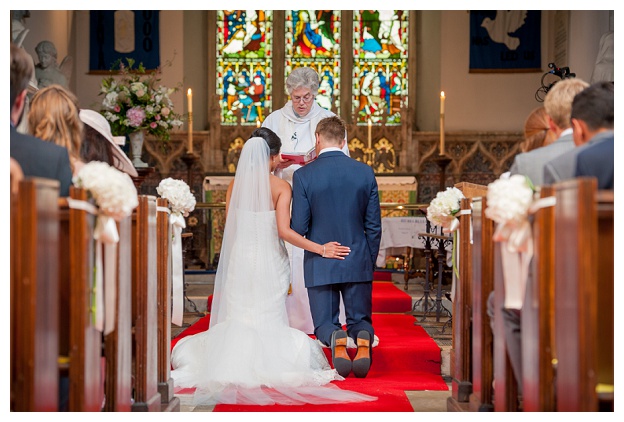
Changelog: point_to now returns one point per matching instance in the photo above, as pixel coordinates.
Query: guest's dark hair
(273, 141)
(594, 106)
(96, 147)
(332, 129)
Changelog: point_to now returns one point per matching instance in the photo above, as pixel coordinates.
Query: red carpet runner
(406, 359)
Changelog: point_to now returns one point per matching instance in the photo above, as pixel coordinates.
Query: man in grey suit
(36, 157)
(592, 119)
(336, 197)
(557, 104)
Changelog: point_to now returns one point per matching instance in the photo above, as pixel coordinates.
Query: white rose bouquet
(444, 207)
(113, 190)
(508, 203)
(179, 195)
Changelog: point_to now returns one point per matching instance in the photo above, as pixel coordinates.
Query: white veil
(252, 193)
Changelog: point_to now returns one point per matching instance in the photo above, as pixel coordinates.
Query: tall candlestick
(370, 127)
(442, 98)
(189, 97)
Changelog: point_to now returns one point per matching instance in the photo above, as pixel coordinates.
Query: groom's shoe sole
(340, 357)
(364, 357)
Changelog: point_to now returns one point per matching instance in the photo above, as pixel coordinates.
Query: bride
(249, 354)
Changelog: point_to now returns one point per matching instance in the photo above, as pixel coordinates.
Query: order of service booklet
(300, 158)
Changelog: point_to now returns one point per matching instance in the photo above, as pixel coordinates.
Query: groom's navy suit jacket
(335, 198)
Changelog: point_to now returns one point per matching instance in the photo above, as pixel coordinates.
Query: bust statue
(48, 71)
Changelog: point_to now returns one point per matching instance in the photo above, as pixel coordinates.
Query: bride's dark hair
(273, 141)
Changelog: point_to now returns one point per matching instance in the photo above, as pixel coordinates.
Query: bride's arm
(282, 214)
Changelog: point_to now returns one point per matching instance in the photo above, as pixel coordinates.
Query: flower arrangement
(179, 195)
(136, 101)
(113, 190)
(509, 199)
(444, 207)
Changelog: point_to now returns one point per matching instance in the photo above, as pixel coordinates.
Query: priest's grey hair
(302, 77)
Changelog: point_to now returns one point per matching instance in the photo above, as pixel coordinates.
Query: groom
(335, 198)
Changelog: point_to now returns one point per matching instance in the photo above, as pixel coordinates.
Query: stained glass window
(244, 63)
(380, 40)
(313, 40)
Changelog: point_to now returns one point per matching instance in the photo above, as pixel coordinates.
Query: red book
(300, 158)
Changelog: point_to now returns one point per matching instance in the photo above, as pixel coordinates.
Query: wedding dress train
(251, 355)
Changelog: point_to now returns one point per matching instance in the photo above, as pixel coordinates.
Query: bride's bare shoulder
(278, 184)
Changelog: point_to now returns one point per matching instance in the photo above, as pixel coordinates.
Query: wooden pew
(34, 296)
(482, 285)
(145, 306)
(538, 315)
(461, 353)
(163, 235)
(81, 344)
(118, 343)
(583, 337)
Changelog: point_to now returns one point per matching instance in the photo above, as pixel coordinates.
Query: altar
(398, 233)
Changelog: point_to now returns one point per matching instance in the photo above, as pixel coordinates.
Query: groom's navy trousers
(335, 198)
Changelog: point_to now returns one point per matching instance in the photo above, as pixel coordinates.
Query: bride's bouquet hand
(335, 250)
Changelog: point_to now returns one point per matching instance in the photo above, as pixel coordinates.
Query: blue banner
(121, 34)
(505, 41)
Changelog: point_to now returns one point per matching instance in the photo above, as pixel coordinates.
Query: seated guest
(98, 143)
(557, 105)
(53, 117)
(598, 161)
(592, 121)
(35, 157)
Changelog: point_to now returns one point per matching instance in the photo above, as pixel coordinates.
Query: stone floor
(200, 286)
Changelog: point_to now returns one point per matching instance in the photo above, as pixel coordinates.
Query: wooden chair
(163, 235)
(145, 306)
(34, 296)
(118, 343)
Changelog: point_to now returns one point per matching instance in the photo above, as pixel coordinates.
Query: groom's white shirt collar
(330, 149)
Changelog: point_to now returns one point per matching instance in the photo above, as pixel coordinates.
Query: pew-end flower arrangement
(116, 197)
(444, 207)
(134, 100)
(508, 203)
(177, 192)
(113, 191)
(181, 203)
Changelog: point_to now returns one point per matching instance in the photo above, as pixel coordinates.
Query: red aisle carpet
(406, 359)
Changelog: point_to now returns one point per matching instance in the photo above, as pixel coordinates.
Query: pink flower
(117, 108)
(153, 125)
(136, 116)
(165, 111)
(157, 117)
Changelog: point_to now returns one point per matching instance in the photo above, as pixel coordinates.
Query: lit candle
(189, 97)
(442, 98)
(257, 122)
(370, 127)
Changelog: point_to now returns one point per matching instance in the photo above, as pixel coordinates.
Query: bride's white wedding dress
(250, 355)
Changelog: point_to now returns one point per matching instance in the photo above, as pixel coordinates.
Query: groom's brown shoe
(340, 357)
(364, 356)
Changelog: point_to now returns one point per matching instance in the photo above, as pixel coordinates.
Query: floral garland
(444, 207)
(179, 195)
(113, 190)
(136, 101)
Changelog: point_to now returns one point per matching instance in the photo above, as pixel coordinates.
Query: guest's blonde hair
(54, 117)
(558, 101)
